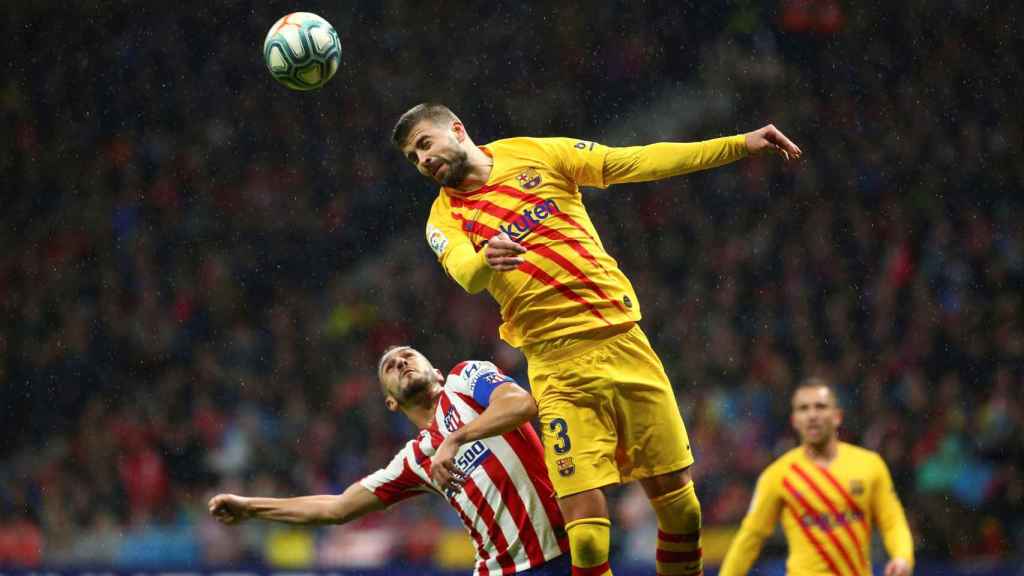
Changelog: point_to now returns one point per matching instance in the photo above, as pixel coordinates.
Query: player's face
(816, 417)
(436, 152)
(407, 374)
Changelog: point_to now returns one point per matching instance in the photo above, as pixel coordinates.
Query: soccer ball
(302, 51)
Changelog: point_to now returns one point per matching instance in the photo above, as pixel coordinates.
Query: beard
(819, 436)
(417, 387)
(458, 168)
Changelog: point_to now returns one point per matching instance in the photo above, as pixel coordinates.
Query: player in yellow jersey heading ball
(510, 219)
(829, 495)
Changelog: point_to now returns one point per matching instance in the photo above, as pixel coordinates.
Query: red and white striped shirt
(507, 503)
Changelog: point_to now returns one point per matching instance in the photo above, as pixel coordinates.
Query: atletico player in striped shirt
(510, 219)
(476, 449)
(829, 495)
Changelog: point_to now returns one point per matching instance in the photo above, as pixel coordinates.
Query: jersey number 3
(560, 428)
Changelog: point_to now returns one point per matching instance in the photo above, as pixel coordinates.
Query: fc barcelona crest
(856, 487)
(528, 179)
(565, 466)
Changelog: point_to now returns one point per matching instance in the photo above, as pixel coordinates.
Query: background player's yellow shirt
(568, 283)
(827, 514)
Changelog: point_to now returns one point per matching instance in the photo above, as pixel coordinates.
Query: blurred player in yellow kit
(829, 495)
(510, 219)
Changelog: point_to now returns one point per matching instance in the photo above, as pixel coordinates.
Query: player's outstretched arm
(892, 524)
(757, 526)
(742, 553)
(510, 407)
(353, 503)
(667, 159)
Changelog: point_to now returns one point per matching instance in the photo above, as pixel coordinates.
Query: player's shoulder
(440, 204)
(472, 375)
(858, 451)
(530, 146)
(861, 454)
(469, 370)
(514, 143)
(408, 451)
(783, 462)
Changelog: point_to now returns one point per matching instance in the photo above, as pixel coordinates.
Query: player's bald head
(432, 112)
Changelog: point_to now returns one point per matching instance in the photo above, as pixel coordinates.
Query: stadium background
(201, 267)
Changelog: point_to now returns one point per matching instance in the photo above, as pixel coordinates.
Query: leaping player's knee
(586, 504)
(589, 544)
(662, 484)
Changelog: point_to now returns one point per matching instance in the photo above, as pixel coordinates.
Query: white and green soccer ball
(302, 51)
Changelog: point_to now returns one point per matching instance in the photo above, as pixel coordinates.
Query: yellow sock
(589, 541)
(679, 549)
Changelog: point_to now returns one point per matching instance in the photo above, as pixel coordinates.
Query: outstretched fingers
(783, 144)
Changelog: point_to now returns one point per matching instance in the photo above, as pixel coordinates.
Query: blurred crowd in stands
(201, 267)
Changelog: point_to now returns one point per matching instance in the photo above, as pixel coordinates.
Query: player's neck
(480, 166)
(822, 454)
(422, 414)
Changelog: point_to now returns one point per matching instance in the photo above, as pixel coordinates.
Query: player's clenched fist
(229, 508)
(502, 253)
(771, 139)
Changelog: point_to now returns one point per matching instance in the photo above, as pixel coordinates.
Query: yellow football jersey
(568, 282)
(827, 514)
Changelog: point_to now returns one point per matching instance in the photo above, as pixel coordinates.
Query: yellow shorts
(607, 411)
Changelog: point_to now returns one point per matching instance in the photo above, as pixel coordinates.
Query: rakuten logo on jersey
(531, 218)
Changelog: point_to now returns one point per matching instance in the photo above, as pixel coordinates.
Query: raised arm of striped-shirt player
(475, 449)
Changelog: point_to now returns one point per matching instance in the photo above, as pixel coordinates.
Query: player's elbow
(530, 409)
(472, 282)
(526, 407)
(334, 511)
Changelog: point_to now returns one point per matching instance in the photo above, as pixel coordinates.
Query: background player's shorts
(607, 410)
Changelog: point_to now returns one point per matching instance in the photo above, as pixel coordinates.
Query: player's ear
(439, 376)
(459, 130)
(391, 404)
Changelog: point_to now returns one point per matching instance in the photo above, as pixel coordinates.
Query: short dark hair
(436, 113)
(818, 382)
(388, 350)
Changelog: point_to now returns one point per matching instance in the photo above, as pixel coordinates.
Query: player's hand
(503, 253)
(771, 139)
(229, 508)
(442, 466)
(898, 567)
